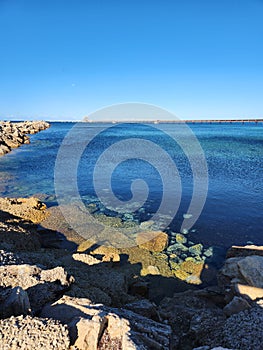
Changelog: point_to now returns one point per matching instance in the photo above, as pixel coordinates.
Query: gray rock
(143, 307)
(251, 268)
(14, 302)
(236, 305)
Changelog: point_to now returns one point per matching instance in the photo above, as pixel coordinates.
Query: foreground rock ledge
(54, 299)
(13, 135)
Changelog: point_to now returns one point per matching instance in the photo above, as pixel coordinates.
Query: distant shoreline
(201, 121)
(154, 121)
(212, 121)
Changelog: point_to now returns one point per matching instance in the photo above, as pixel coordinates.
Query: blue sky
(196, 58)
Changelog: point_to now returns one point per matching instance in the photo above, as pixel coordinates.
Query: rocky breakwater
(13, 135)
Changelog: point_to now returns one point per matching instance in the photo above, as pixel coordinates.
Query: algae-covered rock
(196, 249)
(188, 271)
(180, 238)
(177, 247)
(154, 241)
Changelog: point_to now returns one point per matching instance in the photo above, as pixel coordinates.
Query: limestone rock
(252, 293)
(86, 259)
(14, 237)
(55, 274)
(230, 271)
(26, 208)
(85, 333)
(150, 270)
(180, 238)
(123, 327)
(107, 253)
(177, 247)
(42, 286)
(242, 251)
(154, 241)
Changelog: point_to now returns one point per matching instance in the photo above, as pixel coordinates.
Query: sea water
(232, 213)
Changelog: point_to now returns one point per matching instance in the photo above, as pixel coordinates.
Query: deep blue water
(233, 210)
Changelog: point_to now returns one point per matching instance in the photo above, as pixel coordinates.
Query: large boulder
(91, 324)
(251, 268)
(242, 275)
(42, 286)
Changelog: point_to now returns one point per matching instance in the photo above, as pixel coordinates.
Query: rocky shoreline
(13, 135)
(61, 291)
(98, 297)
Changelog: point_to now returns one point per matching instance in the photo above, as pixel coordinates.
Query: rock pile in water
(13, 135)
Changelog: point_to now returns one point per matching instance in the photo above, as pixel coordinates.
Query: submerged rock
(196, 249)
(154, 241)
(180, 238)
(177, 247)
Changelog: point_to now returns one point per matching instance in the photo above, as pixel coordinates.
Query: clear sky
(63, 59)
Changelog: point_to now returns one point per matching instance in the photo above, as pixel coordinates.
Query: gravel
(33, 333)
(244, 330)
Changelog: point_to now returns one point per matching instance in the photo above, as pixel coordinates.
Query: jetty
(178, 121)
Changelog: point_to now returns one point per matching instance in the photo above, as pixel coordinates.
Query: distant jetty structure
(178, 121)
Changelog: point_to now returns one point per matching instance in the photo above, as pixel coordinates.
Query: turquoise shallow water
(233, 210)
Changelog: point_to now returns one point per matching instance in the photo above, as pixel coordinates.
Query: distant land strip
(208, 121)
